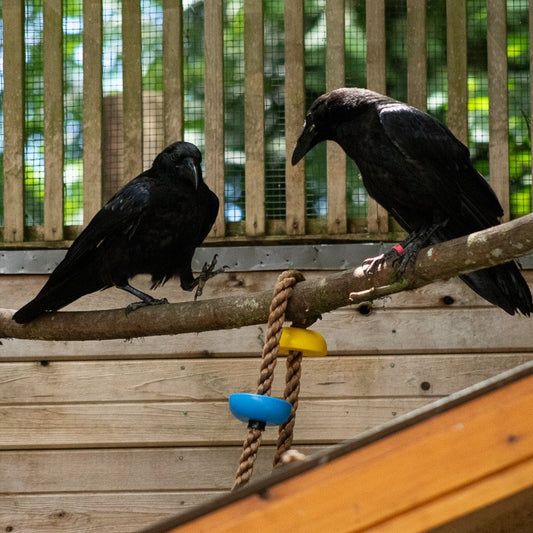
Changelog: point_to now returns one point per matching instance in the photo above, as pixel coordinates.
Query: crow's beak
(308, 138)
(193, 176)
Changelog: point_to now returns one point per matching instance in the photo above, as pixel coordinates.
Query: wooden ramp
(461, 464)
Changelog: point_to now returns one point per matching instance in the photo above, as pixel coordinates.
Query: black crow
(415, 168)
(151, 226)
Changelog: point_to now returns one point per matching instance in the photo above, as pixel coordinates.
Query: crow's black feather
(151, 226)
(413, 166)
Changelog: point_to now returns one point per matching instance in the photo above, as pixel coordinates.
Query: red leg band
(398, 248)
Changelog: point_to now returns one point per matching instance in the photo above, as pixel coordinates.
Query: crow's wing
(120, 215)
(431, 148)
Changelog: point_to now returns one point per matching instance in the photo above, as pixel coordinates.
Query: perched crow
(151, 226)
(416, 169)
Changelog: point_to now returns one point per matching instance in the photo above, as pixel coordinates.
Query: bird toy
(260, 410)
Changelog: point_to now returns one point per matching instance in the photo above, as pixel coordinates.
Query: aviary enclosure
(114, 435)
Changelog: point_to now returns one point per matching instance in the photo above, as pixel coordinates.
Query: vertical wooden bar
(531, 84)
(132, 89)
(254, 124)
(294, 114)
(378, 222)
(173, 116)
(214, 105)
(53, 119)
(456, 53)
(335, 76)
(92, 109)
(416, 54)
(13, 18)
(498, 100)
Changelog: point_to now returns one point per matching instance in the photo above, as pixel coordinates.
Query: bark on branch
(310, 298)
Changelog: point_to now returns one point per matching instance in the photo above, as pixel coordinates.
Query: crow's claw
(208, 272)
(137, 305)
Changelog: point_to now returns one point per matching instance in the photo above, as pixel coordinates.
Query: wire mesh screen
(34, 120)
(274, 51)
(152, 16)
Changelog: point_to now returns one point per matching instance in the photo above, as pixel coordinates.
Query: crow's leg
(208, 272)
(404, 253)
(146, 299)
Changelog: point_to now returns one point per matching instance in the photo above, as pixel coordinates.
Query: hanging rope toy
(260, 410)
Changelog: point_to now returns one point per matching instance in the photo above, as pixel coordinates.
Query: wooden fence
(336, 226)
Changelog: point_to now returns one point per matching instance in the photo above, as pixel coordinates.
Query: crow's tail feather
(504, 286)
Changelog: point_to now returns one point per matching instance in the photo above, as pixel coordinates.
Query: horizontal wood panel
(93, 513)
(134, 469)
(201, 380)
(183, 423)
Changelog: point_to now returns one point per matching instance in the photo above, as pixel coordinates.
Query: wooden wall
(112, 436)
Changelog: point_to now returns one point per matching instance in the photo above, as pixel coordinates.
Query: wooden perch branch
(486, 248)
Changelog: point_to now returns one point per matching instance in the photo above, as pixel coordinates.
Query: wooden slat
(92, 110)
(456, 63)
(333, 377)
(13, 41)
(335, 76)
(294, 114)
(112, 513)
(432, 472)
(531, 70)
(53, 119)
(498, 100)
(173, 87)
(132, 90)
(378, 220)
(416, 54)
(94, 425)
(254, 123)
(214, 106)
(127, 469)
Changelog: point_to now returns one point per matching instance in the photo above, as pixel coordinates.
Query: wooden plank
(53, 119)
(92, 110)
(170, 423)
(128, 469)
(475, 453)
(214, 106)
(416, 54)
(377, 216)
(14, 60)
(294, 114)
(254, 122)
(132, 131)
(173, 85)
(335, 76)
(498, 101)
(531, 70)
(332, 377)
(109, 512)
(456, 48)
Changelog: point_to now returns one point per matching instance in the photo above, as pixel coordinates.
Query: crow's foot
(144, 303)
(208, 272)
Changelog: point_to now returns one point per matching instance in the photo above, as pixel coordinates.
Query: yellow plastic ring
(310, 343)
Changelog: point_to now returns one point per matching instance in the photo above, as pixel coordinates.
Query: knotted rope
(276, 317)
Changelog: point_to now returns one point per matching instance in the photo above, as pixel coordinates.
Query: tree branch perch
(483, 249)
